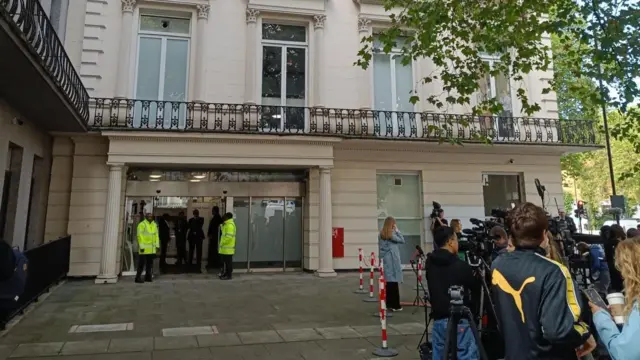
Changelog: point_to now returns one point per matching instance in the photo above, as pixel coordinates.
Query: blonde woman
(389, 252)
(623, 344)
(456, 225)
(550, 246)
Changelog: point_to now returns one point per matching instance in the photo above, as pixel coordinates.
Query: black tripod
(481, 268)
(458, 313)
(418, 300)
(425, 348)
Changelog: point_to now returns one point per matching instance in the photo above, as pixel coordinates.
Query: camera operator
(536, 300)
(443, 270)
(438, 221)
(501, 243)
(571, 225)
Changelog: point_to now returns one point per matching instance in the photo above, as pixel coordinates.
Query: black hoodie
(444, 270)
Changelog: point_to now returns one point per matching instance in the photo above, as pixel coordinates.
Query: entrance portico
(161, 150)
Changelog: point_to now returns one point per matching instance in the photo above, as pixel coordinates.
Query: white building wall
(225, 51)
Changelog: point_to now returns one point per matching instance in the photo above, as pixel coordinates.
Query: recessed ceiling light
(154, 179)
(200, 176)
(155, 176)
(195, 180)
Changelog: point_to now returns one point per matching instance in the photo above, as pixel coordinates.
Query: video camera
(480, 242)
(437, 210)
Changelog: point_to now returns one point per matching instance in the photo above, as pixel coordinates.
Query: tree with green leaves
(601, 40)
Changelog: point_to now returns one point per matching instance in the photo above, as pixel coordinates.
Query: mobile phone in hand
(595, 298)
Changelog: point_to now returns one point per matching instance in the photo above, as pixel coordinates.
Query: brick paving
(254, 316)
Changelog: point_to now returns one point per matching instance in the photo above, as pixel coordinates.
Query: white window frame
(520, 175)
(492, 59)
(394, 92)
(420, 216)
(284, 45)
(163, 36)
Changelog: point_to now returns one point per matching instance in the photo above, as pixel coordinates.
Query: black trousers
(227, 265)
(181, 245)
(393, 295)
(195, 244)
(213, 258)
(145, 262)
(163, 253)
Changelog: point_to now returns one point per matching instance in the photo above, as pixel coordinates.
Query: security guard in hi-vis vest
(227, 247)
(148, 245)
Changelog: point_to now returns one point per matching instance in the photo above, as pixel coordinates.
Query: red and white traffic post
(371, 297)
(385, 350)
(361, 289)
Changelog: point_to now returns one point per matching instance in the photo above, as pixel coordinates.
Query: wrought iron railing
(29, 21)
(48, 264)
(150, 115)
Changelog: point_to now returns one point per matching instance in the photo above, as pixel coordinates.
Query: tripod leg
(476, 335)
(451, 339)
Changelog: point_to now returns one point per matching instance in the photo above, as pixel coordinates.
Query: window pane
(500, 192)
(284, 32)
(503, 94)
(404, 85)
(399, 196)
(175, 74)
(382, 82)
(271, 75)
(296, 75)
(148, 81)
(164, 24)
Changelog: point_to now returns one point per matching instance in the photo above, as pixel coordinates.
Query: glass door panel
(296, 85)
(271, 88)
(266, 247)
(293, 233)
(175, 83)
(241, 216)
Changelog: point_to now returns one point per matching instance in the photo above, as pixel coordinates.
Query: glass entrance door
(268, 233)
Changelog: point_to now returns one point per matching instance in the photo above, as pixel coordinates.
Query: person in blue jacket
(389, 240)
(623, 345)
(599, 265)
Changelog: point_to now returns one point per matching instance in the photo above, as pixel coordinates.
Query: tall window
(162, 70)
(399, 195)
(284, 76)
(501, 191)
(498, 87)
(392, 89)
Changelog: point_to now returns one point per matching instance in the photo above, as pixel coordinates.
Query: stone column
(325, 268)
(200, 79)
(122, 83)
(108, 272)
(365, 81)
(319, 63)
(251, 57)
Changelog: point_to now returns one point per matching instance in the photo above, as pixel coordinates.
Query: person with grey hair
(501, 243)
(632, 232)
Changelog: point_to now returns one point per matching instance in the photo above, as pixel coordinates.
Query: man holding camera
(443, 270)
(536, 301)
(437, 219)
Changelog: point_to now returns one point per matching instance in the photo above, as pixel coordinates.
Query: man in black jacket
(195, 237)
(536, 300)
(213, 233)
(164, 232)
(444, 269)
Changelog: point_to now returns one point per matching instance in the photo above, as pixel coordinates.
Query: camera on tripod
(480, 242)
(456, 295)
(437, 210)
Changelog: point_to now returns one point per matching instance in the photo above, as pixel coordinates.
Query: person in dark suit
(164, 232)
(180, 230)
(213, 233)
(195, 237)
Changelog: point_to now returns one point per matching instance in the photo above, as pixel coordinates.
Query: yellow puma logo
(503, 284)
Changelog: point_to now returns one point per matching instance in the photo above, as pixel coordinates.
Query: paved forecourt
(257, 316)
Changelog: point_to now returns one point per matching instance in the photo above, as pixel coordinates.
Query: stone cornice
(221, 138)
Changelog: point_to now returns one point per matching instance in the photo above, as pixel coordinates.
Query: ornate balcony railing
(29, 21)
(150, 115)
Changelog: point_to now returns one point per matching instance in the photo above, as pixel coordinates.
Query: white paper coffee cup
(616, 303)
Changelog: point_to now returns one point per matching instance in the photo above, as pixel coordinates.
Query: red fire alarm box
(337, 239)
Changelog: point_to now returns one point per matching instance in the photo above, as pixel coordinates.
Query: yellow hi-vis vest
(228, 239)
(148, 238)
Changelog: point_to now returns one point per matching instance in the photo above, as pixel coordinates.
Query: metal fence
(48, 264)
(29, 21)
(155, 115)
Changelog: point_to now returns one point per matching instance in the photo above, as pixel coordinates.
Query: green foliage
(568, 202)
(600, 39)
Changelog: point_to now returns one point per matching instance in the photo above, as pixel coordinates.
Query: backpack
(13, 287)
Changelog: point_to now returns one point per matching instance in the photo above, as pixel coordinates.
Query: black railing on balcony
(151, 115)
(29, 21)
(48, 264)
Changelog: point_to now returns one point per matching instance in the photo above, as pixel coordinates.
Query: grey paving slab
(338, 332)
(130, 345)
(345, 344)
(190, 331)
(37, 349)
(292, 349)
(218, 340)
(300, 334)
(6, 350)
(260, 337)
(85, 347)
(183, 354)
(373, 330)
(408, 328)
(175, 342)
(246, 352)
